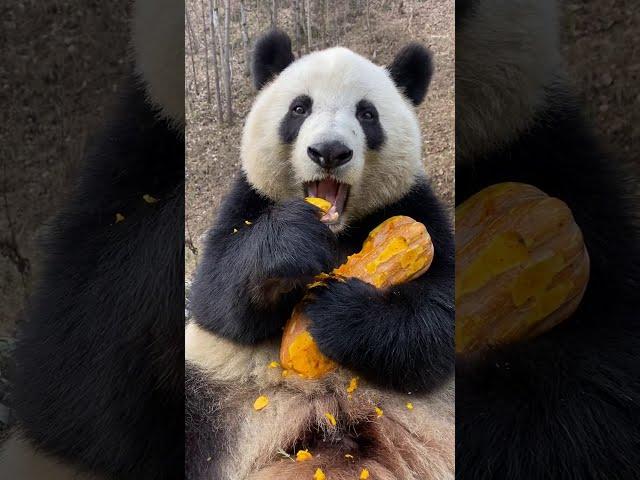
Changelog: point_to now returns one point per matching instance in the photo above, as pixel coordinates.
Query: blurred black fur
(565, 405)
(402, 337)
(99, 377)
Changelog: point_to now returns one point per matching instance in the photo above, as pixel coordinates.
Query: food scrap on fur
(119, 218)
(364, 474)
(247, 222)
(303, 455)
(331, 419)
(379, 412)
(349, 456)
(261, 402)
(353, 384)
(409, 406)
(149, 199)
(319, 475)
(235, 230)
(274, 364)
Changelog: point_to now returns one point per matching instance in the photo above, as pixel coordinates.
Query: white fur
(158, 42)
(336, 79)
(507, 54)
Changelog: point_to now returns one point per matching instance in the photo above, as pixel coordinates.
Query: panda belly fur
(564, 405)
(227, 439)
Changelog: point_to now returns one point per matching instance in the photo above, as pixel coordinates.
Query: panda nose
(330, 154)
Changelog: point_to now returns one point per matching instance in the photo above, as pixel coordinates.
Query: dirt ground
(213, 159)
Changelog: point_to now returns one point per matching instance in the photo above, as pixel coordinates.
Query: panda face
(336, 126)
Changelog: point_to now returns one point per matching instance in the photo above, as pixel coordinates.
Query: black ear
(271, 54)
(412, 70)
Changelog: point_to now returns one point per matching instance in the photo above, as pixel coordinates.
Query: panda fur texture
(99, 382)
(399, 342)
(566, 404)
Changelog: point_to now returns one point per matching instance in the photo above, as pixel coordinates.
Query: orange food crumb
(364, 474)
(409, 405)
(319, 475)
(149, 199)
(285, 373)
(119, 218)
(261, 402)
(331, 418)
(353, 384)
(274, 364)
(303, 455)
(321, 203)
(379, 412)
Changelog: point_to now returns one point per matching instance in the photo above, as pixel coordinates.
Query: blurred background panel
(62, 63)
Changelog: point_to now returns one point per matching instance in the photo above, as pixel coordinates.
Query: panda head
(334, 125)
(508, 70)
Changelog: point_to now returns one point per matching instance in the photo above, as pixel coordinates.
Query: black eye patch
(299, 110)
(367, 115)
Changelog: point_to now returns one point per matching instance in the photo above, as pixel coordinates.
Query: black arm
(258, 258)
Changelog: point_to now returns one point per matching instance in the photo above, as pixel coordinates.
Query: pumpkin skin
(521, 266)
(398, 250)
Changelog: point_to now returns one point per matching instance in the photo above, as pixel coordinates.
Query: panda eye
(299, 110)
(367, 115)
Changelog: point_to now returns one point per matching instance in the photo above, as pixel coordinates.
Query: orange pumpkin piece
(397, 251)
(521, 265)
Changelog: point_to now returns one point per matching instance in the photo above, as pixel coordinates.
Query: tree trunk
(274, 13)
(368, 16)
(206, 51)
(216, 73)
(227, 61)
(296, 25)
(245, 40)
(190, 33)
(325, 28)
(191, 53)
(308, 26)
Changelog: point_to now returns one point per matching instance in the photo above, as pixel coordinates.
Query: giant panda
(565, 404)
(329, 124)
(99, 384)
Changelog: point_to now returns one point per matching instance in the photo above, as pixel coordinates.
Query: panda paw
(385, 336)
(295, 245)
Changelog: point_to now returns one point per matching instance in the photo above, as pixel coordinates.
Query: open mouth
(332, 191)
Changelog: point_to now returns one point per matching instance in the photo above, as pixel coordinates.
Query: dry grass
(213, 149)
